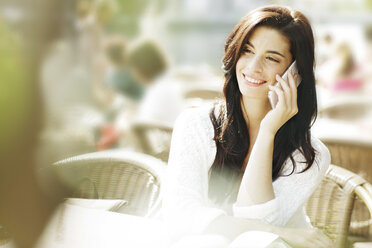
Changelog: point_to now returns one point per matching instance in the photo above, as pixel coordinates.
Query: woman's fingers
(293, 87)
(281, 98)
(286, 90)
(290, 92)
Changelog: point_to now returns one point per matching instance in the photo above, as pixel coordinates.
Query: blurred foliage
(132, 9)
(128, 16)
(369, 4)
(15, 91)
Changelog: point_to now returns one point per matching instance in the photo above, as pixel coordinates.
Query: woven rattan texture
(356, 158)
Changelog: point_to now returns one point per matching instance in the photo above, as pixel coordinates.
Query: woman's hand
(305, 238)
(286, 107)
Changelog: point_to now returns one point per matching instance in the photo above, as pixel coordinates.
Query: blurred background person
(133, 76)
(118, 75)
(367, 58)
(339, 72)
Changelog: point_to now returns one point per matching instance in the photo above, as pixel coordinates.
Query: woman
(242, 156)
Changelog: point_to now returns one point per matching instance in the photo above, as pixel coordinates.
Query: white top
(163, 101)
(186, 207)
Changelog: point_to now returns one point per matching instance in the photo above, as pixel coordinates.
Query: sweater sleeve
(291, 192)
(186, 209)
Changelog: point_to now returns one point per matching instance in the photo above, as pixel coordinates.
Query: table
(75, 226)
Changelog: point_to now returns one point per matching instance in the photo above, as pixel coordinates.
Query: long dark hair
(231, 134)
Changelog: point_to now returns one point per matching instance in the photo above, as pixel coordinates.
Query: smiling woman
(240, 165)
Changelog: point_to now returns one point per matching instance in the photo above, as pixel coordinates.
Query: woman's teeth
(254, 81)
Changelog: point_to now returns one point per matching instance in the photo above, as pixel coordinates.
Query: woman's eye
(247, 50)
(272, 59)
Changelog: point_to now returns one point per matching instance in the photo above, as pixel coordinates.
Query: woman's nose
(255, 64)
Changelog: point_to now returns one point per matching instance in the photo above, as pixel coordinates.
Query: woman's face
(266, 54)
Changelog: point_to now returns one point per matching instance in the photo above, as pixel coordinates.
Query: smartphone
(273, 97)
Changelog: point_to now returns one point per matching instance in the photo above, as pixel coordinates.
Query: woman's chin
(255, 92)
(251, 95)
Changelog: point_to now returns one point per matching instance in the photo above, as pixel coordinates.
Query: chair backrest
(330, 207)
(120, 174)
(352, 155)
(349, 108)
(355, 156)
(154, 138)
(203, 93)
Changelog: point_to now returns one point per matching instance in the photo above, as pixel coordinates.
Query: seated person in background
(147, 60)
(163, 101)
(347, 75)
(241, 165)
(114, 80)
(133, 70)
(367, 58)
(340, 73)
(119, 76)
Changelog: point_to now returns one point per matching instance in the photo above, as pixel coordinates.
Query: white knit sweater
(186, 207)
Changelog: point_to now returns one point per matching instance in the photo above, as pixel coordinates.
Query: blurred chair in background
(350, 108)
(199, 94)
(204, 92)
(154, 138)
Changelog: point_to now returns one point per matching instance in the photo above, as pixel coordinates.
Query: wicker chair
(154, 138)
(330, 207)
(348, 108)
(125, 175)
(205, 93)
(351, 154)
(355, 156)
(201, 94)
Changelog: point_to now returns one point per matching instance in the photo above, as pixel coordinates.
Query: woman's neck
(254, 110)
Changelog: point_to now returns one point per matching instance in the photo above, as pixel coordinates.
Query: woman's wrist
(266, 133)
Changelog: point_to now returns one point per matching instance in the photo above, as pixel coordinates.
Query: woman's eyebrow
(270, 51)
(275, 52)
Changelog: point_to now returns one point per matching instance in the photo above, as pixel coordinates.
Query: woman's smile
(252, 81)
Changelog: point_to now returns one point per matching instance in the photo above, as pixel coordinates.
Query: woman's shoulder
(193, 136)
(321, 162)
(322, 154)
(321, 150)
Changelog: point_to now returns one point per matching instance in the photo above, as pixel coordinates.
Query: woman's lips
(252, 81)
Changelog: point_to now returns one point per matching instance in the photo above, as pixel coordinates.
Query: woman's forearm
(256, 186)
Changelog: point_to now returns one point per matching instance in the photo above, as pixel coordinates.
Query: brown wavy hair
(231, 133)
